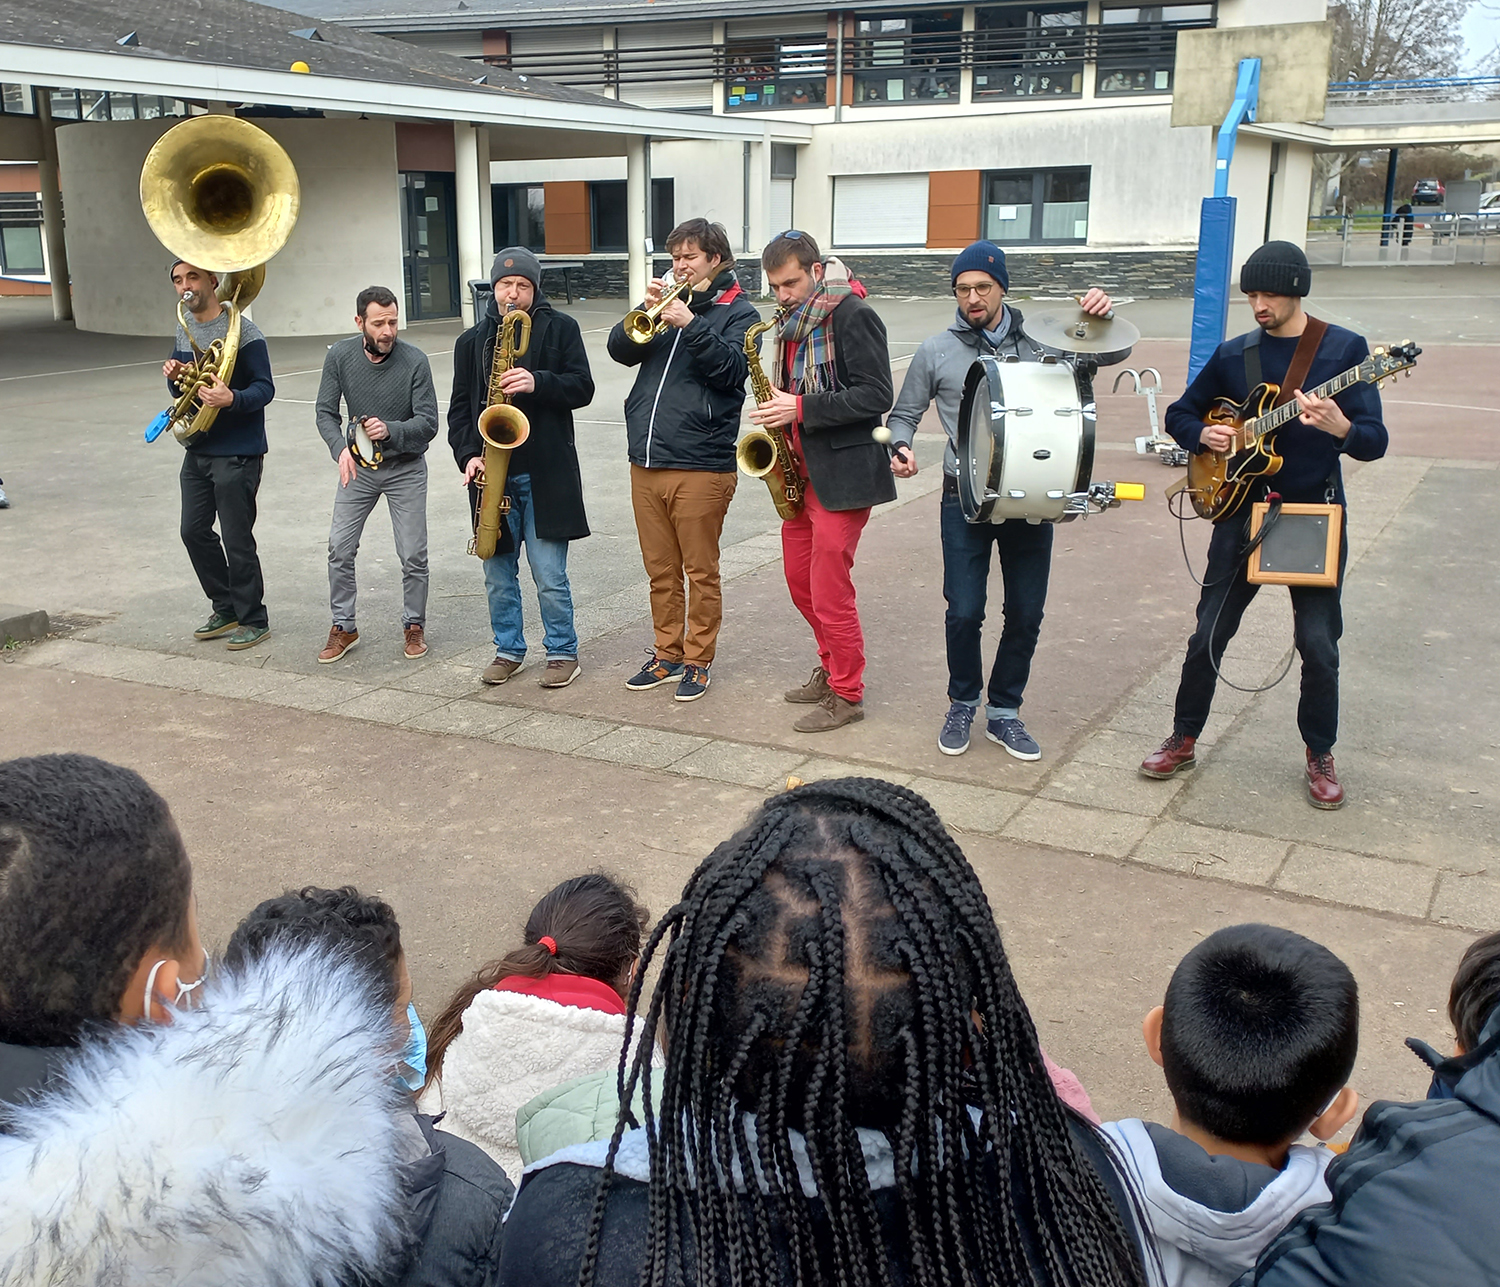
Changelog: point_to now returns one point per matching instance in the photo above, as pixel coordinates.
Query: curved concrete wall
(348, 234)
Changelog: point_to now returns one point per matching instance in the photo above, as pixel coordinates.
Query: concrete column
(639, 266)
(486, 205)
(52, 211)
(965, 74)
(466, 195)
(718, 37)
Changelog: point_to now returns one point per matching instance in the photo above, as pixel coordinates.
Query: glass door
(429, 245)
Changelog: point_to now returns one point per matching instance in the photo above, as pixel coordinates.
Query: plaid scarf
(806, 328)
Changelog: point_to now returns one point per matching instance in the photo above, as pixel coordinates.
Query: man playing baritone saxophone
(681, 421)
(985, 324)
(221, 469)
(832, 371)
(547, 384)
(387, 384)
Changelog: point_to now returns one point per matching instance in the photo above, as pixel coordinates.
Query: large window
(609, 214)
(21, 250)
(15, 100)
(1138, 45)
(771, 71)
(1032, 51)
(100, 105)
(519, 212)
(904, 57)
(1036, 206)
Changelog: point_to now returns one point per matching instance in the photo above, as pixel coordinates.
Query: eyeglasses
(983, 290)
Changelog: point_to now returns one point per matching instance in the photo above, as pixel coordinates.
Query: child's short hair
(791, 245)
(1260, 1027)
(1476, 990)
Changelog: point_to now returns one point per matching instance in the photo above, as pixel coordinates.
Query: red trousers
(817, 553)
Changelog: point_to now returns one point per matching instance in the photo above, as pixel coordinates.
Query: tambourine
(365, 450)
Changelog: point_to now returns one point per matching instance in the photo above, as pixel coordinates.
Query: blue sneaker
(954, 739)
(694, 684)
(1012, 735)
(654, 674)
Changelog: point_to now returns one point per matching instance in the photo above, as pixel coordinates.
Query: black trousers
(1318, 622)
(224, 488)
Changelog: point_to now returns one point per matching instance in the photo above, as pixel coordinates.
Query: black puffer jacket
(683, 411)
(564, 383)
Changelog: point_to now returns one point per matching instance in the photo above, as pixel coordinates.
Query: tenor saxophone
(767, 453)
(504, 428)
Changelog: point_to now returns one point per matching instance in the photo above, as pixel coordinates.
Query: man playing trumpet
(681, 422)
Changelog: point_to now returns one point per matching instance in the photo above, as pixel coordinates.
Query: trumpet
(644, 324)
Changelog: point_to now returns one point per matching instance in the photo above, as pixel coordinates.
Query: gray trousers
(404, 487)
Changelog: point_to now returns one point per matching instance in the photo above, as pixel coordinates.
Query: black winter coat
(683, 412)
(564, 383)
(1413, 1198)
(848, 469)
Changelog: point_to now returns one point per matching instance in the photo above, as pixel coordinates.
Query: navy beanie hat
(1277, 268)
(982, 257)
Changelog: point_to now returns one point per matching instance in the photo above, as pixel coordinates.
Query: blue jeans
(548, 561)
(1025, 563)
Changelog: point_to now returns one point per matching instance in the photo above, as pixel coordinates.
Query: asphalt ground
(1099, 885)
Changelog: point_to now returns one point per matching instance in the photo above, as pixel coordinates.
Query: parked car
(1487, 220)
(1428, 192)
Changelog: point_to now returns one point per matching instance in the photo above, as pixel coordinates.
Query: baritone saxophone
(767, 453)
(503, 427)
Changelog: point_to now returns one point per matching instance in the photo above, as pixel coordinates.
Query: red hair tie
(549, 943)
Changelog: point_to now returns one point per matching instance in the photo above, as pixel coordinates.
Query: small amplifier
(1301, 547)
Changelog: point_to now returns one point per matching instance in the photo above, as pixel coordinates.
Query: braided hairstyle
(836, 966)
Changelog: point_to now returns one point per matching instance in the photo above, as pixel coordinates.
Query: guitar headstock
(1387, 361)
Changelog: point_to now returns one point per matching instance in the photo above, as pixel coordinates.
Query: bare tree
(1382, 39)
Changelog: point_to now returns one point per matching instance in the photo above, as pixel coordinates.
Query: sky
(1481, 30)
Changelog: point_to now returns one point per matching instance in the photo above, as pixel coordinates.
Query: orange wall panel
(20, 178)
(424, 145)
(567, 218)
(952, 208)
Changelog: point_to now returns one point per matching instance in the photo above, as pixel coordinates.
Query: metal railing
(1425, 89)
(1371, 240)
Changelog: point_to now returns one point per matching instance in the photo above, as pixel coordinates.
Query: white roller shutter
(560, 51)
(782, 218)
(786, 26)
(461, 44)
(668, 91)
(880, 210)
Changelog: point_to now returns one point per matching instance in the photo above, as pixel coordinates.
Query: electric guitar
(1219, 481)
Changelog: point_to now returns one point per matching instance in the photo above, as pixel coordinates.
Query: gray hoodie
(1211, 1216)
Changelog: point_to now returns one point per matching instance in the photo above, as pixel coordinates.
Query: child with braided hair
(853, 1092)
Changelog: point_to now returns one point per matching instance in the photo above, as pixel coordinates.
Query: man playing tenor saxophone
(547, 383)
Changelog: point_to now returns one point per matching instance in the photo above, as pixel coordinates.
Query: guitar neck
(1263, 425)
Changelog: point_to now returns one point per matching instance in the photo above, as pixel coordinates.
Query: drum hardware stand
(1158, 444)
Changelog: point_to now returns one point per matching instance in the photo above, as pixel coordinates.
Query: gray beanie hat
(1277, 268)
(517, 261)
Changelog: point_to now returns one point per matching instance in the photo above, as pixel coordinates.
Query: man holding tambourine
(985, 324)
(386, 386)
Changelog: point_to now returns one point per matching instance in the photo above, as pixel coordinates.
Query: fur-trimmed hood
(253, 1142)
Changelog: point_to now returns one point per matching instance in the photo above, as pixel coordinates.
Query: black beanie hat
(1277, 268)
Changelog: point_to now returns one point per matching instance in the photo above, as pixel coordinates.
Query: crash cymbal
(1074, 331)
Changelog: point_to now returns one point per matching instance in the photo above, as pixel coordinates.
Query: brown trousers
(679, 514)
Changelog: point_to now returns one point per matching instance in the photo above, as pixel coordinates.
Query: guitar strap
(1301, 364)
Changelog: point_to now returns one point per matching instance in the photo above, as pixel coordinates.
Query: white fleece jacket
(1201, 1246)
(511, 1049)
(250, 1143)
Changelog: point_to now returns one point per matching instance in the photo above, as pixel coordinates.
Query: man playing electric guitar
(1287, 343)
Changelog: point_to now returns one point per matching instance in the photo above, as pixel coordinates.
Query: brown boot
(339, 642)
(416, 643)
(1172, 756)
(499, 670)
(832, 712)
(1323, 787)
(815, 690)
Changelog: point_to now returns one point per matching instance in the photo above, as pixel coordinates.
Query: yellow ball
(300, 66)
(881, 434)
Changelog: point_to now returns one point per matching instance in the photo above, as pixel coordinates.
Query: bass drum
(1025, 440)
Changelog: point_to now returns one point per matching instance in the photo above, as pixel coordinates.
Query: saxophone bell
(767, 453)
(503, 427)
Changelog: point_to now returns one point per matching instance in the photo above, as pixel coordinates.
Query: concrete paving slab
(311, 692)
(549, 732)
(1206, 851)
(970, 808)
(646, 748)
(1072, 826)
(819, 770)
(224, 679)
(1121, 789)
(1116, 749)
(465, 719)
(70, 654)
(441, 679)
(757, 768)
(1472, 901)
(389, 706)
(1358, 880)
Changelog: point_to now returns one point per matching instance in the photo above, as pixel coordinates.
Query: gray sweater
(397, 391)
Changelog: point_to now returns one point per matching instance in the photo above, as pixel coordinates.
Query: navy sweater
(1309, 456)
(240, 428)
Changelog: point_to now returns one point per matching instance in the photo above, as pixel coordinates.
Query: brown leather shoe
(560, 672)
(1172, 756)
(416, 643)
(339, 642)
(1323, 787)
(832, 712)
(815, 690)
(499, 670)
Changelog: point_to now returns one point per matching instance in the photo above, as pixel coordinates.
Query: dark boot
(1172, 756)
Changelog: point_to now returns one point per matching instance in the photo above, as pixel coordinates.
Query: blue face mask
(413, 1071)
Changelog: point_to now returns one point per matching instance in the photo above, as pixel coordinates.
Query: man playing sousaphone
(547, 384)
(385, 385)
(221, 469)
(681, 421)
